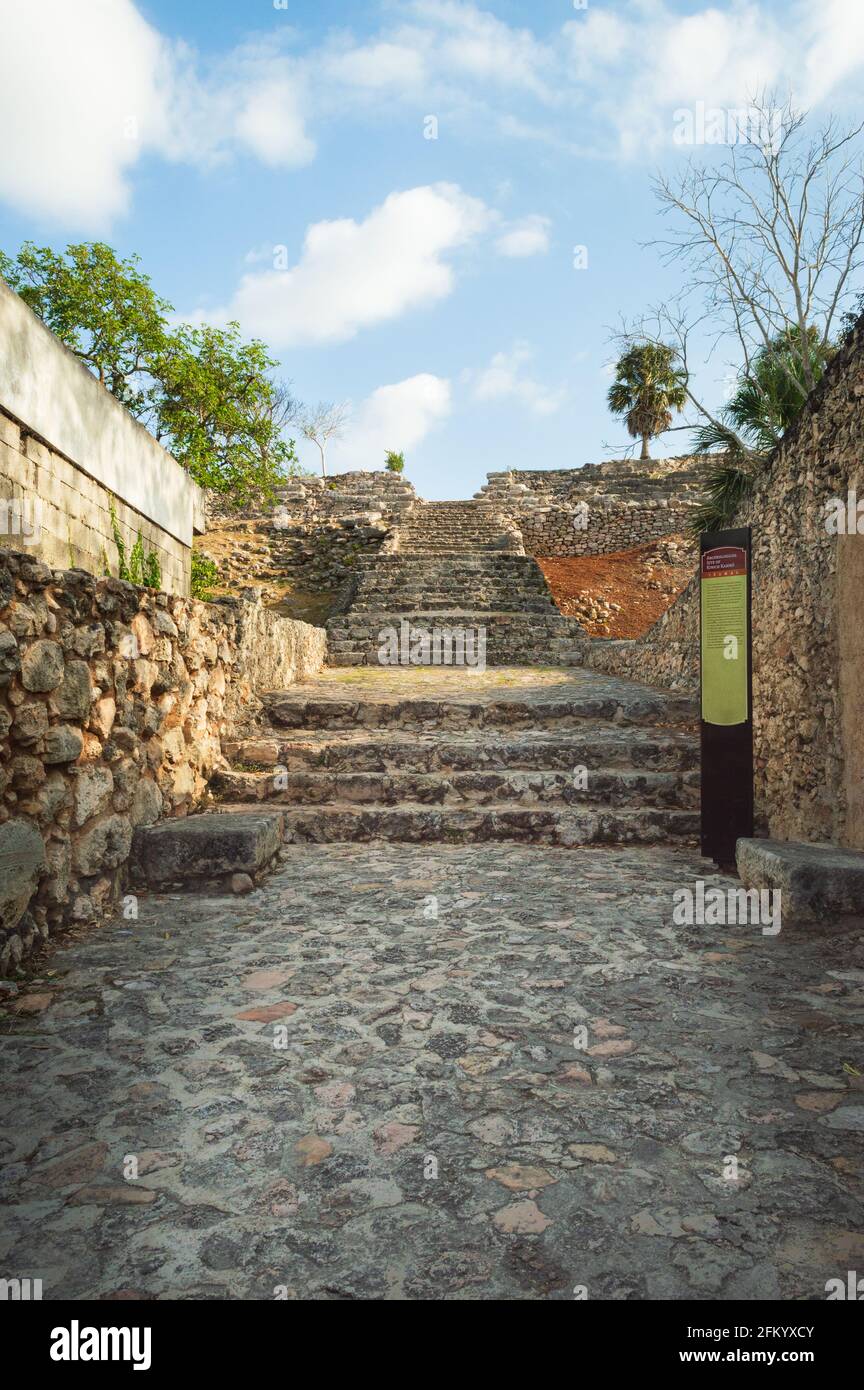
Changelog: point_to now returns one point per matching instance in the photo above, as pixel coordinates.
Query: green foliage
(122, 567)
(216, 406)
(209, 397)
(141, 568)
(726, 487)
(763, 406)
(101, 307)
(394, 463)
(647, 388)
(152, 571)
(204, 574)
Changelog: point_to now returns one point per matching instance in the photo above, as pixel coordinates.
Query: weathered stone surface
(42, 666)
(817, 883)
(72, 697)
(146, 803)
(22, 858)
(10, 656)
(63, 744)
(108, 709)
(30, 723)
(93, 790)
(356, 1161)
(104, 844)
(205, 847)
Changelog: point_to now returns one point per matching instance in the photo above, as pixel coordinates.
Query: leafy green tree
(394, 463)
(103, 308)
(647, 388)
(218, 409)
(209, 397)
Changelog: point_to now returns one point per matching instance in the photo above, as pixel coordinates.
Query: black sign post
(726, 692)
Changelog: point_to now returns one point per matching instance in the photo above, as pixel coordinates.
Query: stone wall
(63, 516)
(600, 508)
(46, 389)
(113, 702)
(808, 644)
(303, 547)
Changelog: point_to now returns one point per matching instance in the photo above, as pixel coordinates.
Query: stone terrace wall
(72, 513)
(628, 502)
(668, 654)
(113, 701)
(67, 447)
(808, 645)
(311, 536)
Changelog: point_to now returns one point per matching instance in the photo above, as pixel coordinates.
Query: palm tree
(647, 389)
(763, 406)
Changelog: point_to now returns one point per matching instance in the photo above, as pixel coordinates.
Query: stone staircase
(452, 565)
(455, 528)
(590, 761)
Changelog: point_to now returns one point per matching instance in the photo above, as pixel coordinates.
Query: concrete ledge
(816, 881)
(205, 849)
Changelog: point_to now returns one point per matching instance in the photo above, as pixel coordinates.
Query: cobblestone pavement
(434, 1126)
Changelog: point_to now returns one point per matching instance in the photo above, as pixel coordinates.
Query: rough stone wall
(668, 654)
(70, 513)
(807, 638)
(619, 526)
(628, 502)
(310, 538)
(113, 702)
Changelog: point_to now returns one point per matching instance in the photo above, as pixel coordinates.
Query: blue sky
(271, 163)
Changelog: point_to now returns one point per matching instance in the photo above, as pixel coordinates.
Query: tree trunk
(645, 454)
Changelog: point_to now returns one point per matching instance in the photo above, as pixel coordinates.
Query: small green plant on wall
(142, 567)
(394, 463)
(204, 574)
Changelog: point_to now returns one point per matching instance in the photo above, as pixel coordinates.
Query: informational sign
(726, 692)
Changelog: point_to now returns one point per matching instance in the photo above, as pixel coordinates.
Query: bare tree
(770, 241)
(322, 423)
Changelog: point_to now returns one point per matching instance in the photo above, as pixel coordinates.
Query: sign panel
(726, 692)
(725, 635)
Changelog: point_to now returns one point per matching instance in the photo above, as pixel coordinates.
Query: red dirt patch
(622, 594)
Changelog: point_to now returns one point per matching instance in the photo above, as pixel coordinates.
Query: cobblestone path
(434, 1126)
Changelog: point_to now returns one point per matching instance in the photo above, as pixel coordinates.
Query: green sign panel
(725, 685)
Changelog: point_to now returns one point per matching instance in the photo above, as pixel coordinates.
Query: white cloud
(376, 66)
(397, 417)
(352, 275)
(270, 125)
(83, 91)
(647, 60)
(93, 86)
(530, 237)
(468, 41)
(504, 379)
(834, 46)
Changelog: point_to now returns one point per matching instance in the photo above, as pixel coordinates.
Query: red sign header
(724, 562)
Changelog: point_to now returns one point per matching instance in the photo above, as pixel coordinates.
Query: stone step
(364, 750)
(205, 849)
(637, 706)
(816, 882)
(602, 788)
(450, 825)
